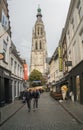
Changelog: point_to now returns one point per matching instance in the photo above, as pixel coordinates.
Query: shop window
(15, 89)
(77, 88)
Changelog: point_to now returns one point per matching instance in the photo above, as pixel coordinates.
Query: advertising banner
(25, 72)
(60, 59)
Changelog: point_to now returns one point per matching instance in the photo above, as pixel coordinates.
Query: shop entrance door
(6, 88)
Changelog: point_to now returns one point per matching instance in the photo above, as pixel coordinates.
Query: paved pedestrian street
(49, 116)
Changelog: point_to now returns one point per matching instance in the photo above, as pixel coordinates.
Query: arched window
(40, 45)
(36, 46)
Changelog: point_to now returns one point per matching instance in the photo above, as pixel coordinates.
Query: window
(4, 20)
(81, 35)
(5, 50)
(80, 13)
(11, 61)
(72, 22)
(68, 34)
(69, 55)
(18, 68)
(38, 30)
(40, 45)
(15, 63)
(4, 45)
(20, 71)
(75, 54)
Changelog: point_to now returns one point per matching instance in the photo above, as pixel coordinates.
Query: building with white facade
(54, 68)
(17, 73)
(11, 66)
(5, 43)
(74, 37)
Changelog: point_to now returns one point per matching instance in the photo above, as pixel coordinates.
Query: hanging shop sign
(25, 72)
(68, 63)
(1, 56)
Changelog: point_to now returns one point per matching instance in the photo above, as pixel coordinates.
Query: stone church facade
(39, 48)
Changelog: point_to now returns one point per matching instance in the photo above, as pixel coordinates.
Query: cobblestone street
(49, 116)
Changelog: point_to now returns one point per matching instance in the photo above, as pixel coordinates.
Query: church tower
(39, 48)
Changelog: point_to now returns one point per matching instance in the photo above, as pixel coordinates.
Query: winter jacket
(28, 95)
(36, 94)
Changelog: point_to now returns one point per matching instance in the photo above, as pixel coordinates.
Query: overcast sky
(23, 17)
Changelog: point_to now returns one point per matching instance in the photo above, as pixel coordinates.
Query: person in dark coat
(35, 95)
(28, 96)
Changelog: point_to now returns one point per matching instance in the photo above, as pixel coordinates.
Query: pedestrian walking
(28, 96)
(36, 95)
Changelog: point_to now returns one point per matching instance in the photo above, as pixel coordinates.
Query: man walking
(28, 96)
(36, 95)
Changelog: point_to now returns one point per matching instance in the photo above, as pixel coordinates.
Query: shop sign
(1, 56)
(68, 63)
(59, 52)
(25, 72)
(60, 64)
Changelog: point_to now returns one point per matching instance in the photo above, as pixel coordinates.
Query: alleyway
(49, 116)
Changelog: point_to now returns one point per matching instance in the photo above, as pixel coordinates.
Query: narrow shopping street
(49, 116)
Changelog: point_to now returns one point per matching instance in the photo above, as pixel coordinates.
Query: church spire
(39, 12)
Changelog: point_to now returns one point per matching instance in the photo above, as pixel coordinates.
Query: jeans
(29, 104)
(35, 103)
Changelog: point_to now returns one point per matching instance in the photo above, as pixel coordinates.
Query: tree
(35, 76)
